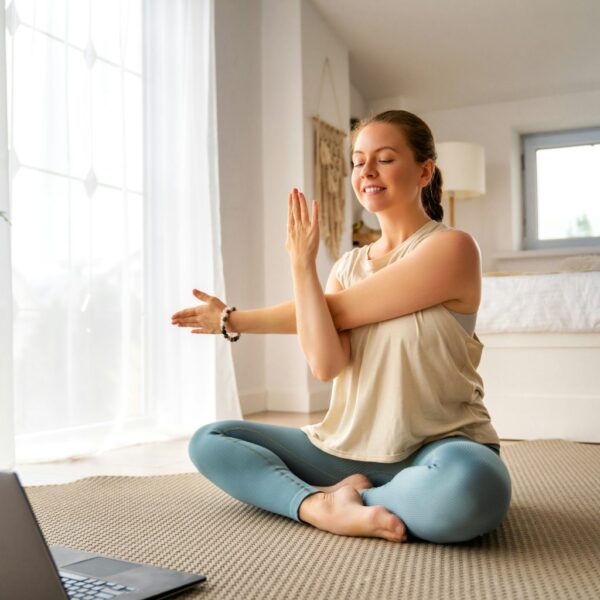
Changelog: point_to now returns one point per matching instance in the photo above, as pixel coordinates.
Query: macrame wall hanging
(330, 171)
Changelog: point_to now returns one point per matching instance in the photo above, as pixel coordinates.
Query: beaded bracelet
(224, 317)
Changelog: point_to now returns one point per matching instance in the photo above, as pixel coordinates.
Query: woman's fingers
(296, 208)
(182, 314)
(186, 312)
(304, 210)
(193, 320)
(290, 212)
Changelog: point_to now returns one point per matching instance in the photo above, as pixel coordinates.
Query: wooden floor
(146, 459)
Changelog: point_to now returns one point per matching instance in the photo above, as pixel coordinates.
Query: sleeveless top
(410, 380)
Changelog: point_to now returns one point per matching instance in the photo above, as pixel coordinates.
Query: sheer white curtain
(190, 377)
(6, 358)
(114, 206)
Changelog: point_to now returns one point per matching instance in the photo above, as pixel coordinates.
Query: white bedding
(542, 302)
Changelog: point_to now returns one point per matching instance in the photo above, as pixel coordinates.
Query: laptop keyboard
(90, 588)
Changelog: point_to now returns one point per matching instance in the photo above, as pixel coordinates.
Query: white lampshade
(463, 169)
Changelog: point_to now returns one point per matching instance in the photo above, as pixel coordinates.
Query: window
(75, 134)
(561, 189)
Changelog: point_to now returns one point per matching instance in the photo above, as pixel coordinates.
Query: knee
(483, 497)
(200, 445)
(197, 442)
(477, 497)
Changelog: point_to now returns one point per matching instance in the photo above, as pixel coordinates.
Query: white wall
(319, 42)
(495, 219)
(283, 168)
(268, 58)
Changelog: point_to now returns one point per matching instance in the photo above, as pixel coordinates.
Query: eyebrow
(376, 150)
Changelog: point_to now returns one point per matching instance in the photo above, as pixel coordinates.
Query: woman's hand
(206, 317)
(303, 234)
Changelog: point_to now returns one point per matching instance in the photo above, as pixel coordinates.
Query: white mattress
(542, 302)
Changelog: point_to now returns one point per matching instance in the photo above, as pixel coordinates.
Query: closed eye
(360, 164)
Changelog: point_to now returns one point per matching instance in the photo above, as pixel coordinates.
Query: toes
(393, 524)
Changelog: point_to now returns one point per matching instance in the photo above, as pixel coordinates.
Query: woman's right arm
(280, 318)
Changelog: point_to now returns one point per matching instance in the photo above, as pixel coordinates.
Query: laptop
(31, 570)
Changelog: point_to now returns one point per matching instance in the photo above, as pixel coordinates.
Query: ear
(428, 171)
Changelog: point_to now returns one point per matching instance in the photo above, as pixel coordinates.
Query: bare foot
(342, 512)
(358, 481)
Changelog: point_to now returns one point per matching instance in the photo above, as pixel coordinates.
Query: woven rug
(547, 547)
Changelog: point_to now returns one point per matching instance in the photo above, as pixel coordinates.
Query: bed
(541, 359)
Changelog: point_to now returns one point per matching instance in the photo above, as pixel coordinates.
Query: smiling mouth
(373, 190)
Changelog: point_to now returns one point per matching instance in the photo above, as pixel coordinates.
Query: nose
(367, 170)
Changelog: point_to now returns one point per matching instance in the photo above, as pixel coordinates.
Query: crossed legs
(449, 490)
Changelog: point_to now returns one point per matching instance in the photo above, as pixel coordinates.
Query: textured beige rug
(548, 546)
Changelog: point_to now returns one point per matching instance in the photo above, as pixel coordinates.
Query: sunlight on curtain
(190, 378)
(104, 247)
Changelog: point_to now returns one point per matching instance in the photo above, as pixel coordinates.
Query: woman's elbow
(323, 375)
(328, 373)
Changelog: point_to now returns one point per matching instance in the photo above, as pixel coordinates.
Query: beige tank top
(411, 380)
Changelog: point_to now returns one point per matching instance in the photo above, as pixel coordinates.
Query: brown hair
(420, 139)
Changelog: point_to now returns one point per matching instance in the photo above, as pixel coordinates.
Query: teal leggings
(450, 490)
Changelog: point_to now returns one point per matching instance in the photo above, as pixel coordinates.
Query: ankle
(310, 506)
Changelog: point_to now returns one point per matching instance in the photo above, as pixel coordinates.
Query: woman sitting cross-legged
(407, 446)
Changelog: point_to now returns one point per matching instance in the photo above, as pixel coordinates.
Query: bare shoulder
(463, 251)
(458, 243)
(461, 242)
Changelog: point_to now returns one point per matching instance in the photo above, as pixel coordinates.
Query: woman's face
(381, 159)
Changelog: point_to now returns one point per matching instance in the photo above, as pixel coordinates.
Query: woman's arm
(442, 268)
(319, 339)
(445, 266)
(320, 342)
(280, 318)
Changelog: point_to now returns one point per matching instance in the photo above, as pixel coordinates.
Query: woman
(407, 445)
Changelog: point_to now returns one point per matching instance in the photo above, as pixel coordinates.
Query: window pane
(568, 192)
(80, 107)
(107, 123)
(40, 248)
(39, 109)
(79, 22)
(132, 28)
(106, 19)
(133, 131)
(45, 15)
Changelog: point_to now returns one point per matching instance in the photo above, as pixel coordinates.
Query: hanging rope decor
(330, 171)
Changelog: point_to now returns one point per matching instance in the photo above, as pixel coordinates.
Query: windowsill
(547, 252)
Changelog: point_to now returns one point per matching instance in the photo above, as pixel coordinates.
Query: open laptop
(30, 570)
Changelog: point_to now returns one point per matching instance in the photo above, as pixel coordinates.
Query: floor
(147, 459)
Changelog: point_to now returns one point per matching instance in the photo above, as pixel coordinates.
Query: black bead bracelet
(224, 317)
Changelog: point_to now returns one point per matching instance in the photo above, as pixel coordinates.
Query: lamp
(463, 171)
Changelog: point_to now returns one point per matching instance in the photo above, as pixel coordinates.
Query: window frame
(530, 143)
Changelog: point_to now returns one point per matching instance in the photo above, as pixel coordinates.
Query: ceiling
(443, 54)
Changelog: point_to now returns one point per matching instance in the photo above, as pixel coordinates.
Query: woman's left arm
(319, 339)
(443, 267)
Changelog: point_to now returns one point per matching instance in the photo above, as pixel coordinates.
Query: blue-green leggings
(450, 490)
